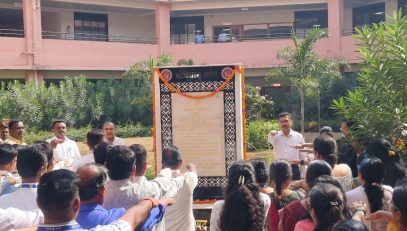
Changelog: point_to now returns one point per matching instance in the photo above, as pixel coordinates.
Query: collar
(65, 138)
(119, 183)
(108, 141)
(91, 206)
(72, 225)
(29, 185)
(137, 179)
(289, 134)
(17, 141)
(5, 173)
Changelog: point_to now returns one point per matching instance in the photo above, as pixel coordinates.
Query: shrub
(258, 107)
(257, 132)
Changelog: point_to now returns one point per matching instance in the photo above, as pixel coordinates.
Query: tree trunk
(302, 94)
(319, 112)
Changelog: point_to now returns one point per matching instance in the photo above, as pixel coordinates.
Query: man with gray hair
(109, 131)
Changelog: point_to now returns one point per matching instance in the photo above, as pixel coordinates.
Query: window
(91, 26)
(227, 33)
(257, 31)
(367, 15)
(280, 31)
(184, 29)
(403, 5)
(306, 20)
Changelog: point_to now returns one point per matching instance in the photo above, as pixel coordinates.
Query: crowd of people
(324, 185)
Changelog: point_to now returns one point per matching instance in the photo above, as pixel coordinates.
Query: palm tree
(304, 70)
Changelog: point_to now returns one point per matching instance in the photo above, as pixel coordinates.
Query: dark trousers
(296, 172)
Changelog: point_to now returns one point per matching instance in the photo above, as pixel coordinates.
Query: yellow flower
(392, 153)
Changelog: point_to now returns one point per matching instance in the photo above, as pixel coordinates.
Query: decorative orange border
(221, 87)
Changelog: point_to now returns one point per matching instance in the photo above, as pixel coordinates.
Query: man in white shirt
(180, 215)
(31, 165)
(109, 130)
(285, 142)
(65, 150)
(93, 138)
(58, 199)
(12, 218)
(125, 188)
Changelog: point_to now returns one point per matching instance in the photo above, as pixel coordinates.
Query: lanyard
(60, 228)
(26, 185)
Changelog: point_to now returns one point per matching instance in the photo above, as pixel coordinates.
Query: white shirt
(128, 192)
(22, 198)
(118, 225)
(117, 141)
(358, 194)
(12, 218)
(87, 159)
(180, 216)
(218, 207)
(67, 151)
(281, 143)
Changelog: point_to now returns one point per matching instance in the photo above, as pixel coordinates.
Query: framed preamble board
(200, 109)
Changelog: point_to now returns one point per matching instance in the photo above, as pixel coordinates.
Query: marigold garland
(210, 94)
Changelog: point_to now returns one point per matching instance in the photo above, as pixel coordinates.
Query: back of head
(326, 130)
(350, 225)
(243, 208)
(141, 156)
(171, 157)
(372, 172)
(382, 149)
(47, 149)
(56, 192)
(280, 172)
(326, 148)
(327, 203)
(8, 153)
(260, 170)
(92, 178)
(120, 162)
(326, 179)
(100, 152)
(400, 202)
(316, 169)
(94, 137)
(30, 160)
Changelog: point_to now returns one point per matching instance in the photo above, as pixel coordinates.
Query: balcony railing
(11, 33)
(98, 37)
(191, 39)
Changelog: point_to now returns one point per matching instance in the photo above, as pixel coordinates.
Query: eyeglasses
(391, 205)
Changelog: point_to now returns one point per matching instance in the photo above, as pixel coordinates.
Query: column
(390, 7)
(335, 27)
(162, 27)
(33, 38)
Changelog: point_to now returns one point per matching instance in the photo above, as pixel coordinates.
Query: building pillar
(162, 27)
(390, 7)
(34, 75)
(335, 27)
(33, 37)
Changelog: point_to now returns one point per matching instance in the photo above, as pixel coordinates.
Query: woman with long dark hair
(393, 165)
(325, 148)
(371, 192)
(244, 207)
(280, 178)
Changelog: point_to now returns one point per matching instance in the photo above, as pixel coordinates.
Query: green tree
(304, 70)
(378, 106)
(258, 107)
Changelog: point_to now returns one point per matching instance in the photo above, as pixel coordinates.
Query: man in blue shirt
(92, 188)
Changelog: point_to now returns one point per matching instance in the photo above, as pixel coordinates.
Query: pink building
(50, 39)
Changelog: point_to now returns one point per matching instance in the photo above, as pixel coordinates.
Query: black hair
(57, 122)
(260, 170)
(327, 130)
(141, 156)
(400, 201)
(94, 137)
(100, 152)
(316, 169)
(327, 149)
(328, 204)
(372, 172)
(89, 187)
(382, 149)
(349, 123)
(171, 156)
(243, 207)
(280, 172)
(401, 181)
(120, 161)
(30, 160)
(284, 114)
(12, 122)
(56, 192)
(350, 224)
(108, 122)
(47, 149)
(8, 153)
